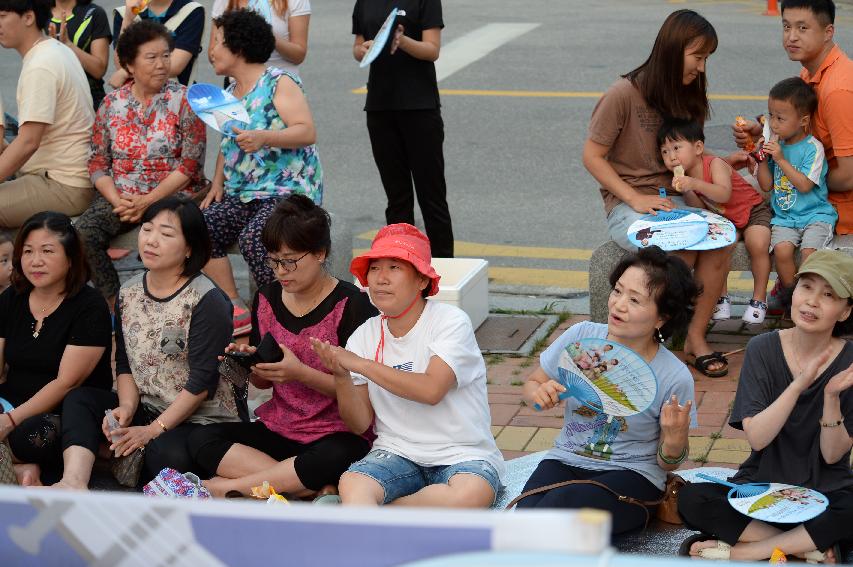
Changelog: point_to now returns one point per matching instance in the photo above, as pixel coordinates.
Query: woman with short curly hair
(289, 20)
(280, 134)
(653, 298)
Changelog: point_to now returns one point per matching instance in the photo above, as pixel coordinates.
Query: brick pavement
(520, 430)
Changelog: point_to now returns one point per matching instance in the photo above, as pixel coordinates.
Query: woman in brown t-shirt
(622, 154)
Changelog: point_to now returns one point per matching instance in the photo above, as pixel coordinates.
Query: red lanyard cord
(380, 348)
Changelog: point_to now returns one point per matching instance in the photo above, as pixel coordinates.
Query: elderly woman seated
(147, 144)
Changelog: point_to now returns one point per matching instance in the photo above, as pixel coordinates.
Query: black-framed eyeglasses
(287, 264)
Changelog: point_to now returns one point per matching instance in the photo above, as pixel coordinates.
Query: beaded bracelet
(832, 423)
(678, 460)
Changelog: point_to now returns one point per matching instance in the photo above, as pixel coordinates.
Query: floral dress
(285, 171)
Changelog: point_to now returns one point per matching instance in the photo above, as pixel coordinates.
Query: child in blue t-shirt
(796, 173)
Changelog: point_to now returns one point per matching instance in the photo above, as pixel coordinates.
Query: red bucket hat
(402, 241)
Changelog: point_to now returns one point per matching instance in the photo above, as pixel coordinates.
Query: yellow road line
(569, 279)
(479, 250)
(573, 279)
(558, 94)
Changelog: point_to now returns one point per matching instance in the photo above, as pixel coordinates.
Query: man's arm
(22, 148)
(840, 178)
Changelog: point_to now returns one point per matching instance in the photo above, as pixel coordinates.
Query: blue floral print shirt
(285, 171)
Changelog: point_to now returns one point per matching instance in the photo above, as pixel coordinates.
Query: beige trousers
(33, 193)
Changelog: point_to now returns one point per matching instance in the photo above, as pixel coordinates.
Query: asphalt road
(514, 167)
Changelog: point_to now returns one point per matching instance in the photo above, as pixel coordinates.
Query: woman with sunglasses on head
(299, 443)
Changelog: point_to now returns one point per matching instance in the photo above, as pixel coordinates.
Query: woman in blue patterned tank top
(280, 133)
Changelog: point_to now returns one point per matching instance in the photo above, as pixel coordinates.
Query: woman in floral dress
(147, 144)
(274, 156)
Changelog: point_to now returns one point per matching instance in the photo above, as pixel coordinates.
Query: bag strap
(645, 504)
(175, 21)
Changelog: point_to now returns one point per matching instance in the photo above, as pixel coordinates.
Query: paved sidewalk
(520, 429)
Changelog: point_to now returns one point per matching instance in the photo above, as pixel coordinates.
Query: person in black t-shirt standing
(795, 404)
(84, 28)
(184, 18)
(54, 335)
(403, 113)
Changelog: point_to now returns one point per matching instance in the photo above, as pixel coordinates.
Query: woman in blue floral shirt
(281, 133)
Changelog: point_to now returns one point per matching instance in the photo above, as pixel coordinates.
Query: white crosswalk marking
(476, 44)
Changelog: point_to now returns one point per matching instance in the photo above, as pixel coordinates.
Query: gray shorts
(816, 235)
(622, 216)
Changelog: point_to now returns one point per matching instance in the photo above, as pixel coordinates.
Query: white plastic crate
(465, 284)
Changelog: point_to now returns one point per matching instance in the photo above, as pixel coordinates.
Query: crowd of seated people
(382, 396)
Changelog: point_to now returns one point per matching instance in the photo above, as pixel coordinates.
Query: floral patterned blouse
(139, 146)
(285, 171)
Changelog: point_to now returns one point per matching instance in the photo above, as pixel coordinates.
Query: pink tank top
(300, 413)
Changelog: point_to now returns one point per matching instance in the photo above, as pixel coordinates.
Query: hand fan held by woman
(220, 110)
(607, 377)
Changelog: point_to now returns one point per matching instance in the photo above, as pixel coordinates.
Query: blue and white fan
(220, 110)
(670, 230)
(721, 232)
(606, 377)
(381, 38)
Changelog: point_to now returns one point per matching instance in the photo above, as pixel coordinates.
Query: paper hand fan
(5, 406)
(606, 377)
(220, 110)
(262, 8)
(721, 232)
(782, 503)
(670, 230)
(381, 38)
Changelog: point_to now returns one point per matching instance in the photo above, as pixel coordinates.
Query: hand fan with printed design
(606, 377)
(670, 230)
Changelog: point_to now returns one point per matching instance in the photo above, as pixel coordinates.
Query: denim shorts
(400, 477)
(622, 216)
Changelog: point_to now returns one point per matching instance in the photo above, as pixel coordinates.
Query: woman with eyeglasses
(299, 443)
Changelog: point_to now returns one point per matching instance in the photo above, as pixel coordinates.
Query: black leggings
(36, 440)
(704, 508)
(83, 413)
(317, 464)
(626, 517)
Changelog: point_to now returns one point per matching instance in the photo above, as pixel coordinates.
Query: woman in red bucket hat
(418, 372)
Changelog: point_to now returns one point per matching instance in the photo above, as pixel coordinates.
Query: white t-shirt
(456, 429)
(53, 89)
(279, 28)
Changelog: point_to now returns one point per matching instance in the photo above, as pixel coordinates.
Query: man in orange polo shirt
(808, 27)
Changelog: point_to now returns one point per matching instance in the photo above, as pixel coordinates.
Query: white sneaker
(723, 309)
(755, 312)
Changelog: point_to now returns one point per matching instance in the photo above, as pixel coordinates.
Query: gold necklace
(315, 301)
(38, 324)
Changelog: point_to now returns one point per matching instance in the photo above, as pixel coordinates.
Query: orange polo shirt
(832, 124)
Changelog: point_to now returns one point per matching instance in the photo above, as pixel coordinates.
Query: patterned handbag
(7, 472)
(172, 484)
